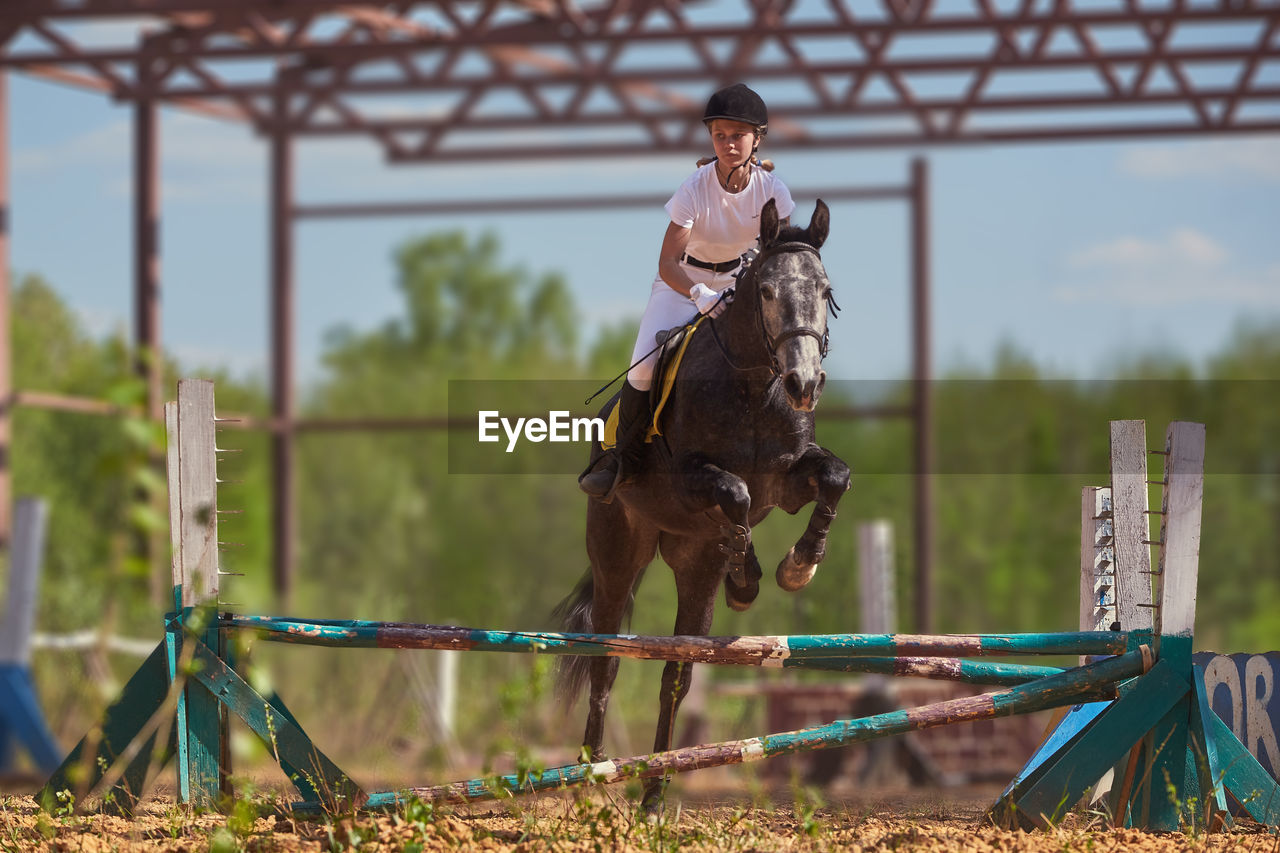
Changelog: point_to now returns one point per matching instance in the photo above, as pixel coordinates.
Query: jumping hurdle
(1152, 715)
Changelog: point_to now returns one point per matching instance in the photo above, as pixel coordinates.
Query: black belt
(723, 266)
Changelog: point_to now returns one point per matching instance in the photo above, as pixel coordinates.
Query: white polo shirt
(725, 224)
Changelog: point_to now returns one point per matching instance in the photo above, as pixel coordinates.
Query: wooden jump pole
(845, 652)
(1065, 688)
(778, 651)
(934, 668)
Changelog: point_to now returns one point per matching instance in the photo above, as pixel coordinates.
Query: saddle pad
(668, 382)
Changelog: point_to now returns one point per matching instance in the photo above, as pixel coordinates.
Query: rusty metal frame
(560, 66)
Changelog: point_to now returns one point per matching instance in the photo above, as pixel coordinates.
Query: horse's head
(793, 294)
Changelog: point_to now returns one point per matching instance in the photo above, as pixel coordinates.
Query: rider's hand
(707, 300)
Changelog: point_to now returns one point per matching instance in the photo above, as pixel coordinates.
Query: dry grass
(603, 821)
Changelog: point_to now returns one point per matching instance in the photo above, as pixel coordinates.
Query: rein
(771, 343)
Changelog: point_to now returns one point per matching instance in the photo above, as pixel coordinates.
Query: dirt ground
(695, 820)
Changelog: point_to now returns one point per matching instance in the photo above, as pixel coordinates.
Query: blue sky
(1075, 253)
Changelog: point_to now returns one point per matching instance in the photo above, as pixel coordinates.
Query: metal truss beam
(494, 79)
(83, 9)
(544, 204)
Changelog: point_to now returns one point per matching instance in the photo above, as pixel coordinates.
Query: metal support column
(6, 352)
(282, 397)
(921, 374)
(146, 259)
(148, 350)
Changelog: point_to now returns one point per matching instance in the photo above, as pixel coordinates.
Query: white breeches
(667, 309)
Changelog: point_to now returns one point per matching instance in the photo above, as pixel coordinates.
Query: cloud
(212, 161)
(215, 160)
(106, 144)
(99, 322)
(190, 140)
(1182, 246)
(1250, 159)
(1184, 267)
(203, 159)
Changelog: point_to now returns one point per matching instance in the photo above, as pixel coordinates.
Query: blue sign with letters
(1242, 690)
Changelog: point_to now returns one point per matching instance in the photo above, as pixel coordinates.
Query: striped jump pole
(1091, 682)
(935, 668)
(776, 651)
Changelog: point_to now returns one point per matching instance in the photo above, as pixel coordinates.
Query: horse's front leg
(820, 476)
(708, 486)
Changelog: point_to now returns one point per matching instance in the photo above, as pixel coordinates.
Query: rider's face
(733, 140)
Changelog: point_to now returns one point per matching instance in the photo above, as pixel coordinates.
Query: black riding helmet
(738, 103)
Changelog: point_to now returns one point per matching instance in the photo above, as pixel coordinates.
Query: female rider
(715, 218)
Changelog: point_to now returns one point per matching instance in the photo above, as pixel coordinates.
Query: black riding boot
(620, 464)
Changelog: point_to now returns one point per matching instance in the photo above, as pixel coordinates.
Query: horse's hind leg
(696, 592)
(619, 550)
(820, 476)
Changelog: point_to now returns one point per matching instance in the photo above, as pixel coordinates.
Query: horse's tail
(574, 614)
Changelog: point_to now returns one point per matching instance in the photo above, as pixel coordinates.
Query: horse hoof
(740, 598)
(792, 575)
(652, 805)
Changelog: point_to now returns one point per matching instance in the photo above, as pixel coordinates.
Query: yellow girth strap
(668, 382)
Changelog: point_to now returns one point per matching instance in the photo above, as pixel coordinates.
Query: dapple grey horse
(737, 440)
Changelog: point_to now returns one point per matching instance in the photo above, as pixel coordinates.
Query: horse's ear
(819, 225)
(769, 225)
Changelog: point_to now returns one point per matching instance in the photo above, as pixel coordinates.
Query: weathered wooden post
(1130, 572)
(1174, 623)
(1131, 534)
(875, 577)
(193, 532)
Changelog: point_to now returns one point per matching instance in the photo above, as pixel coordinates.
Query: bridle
(772, 342)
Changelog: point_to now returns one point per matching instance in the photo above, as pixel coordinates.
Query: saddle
(673, 341)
